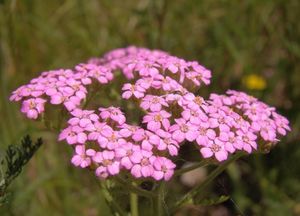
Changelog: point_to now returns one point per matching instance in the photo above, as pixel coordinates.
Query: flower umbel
(163, 86)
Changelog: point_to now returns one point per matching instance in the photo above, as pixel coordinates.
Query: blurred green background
(250, 45)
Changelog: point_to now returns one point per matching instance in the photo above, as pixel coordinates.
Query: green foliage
(214, 201)
(16, 157)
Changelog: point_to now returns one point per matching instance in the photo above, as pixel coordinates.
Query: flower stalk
(190, 168)
(160, 199)
(202, 186)
(133, 188)
(134, 204)
(114, 206)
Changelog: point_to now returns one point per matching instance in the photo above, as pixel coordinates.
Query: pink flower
(72, 103)
(74, 88)
(110, 139)
(195, 116)
(145, 82)
(113, 113)
(194, 102)
(167, 143)
(108, 164)
(268, 132)
(227, 138)
(220, 100)
(175, 98)
(147, 139)
(150, 140)
(183, 130)
(126, 153)
(58, 98)
(205, 134)
(220, 120)
(73, 135)
(248, 139)
(201, 73)
(175, 65)
(163, 168)
(240, 97)
(102, 74)
(97, 129)
(156, 120)
(82, 74)
(169, 84)
(232, 141)
(216, 149)
(83, 118)
(147, 68)
(128, 130)
(69, 102)
(82, 157)
(52, 87)
(129, 90)
(139, 134)
(28, 90)
(166, 83)
(17, 94)
(33, 107)
(142, 164)
(281, 123)
(257, 111)
(154, 103)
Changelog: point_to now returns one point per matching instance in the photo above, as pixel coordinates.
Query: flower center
(132, 128)
(155, 100)
(199, 76)
(145, 162)
(221, 120)
(76, 87)
(239, 120)
(115, 112)
(167, 141)
(198, 100)
(32, 105)
(164, 168)
(157, 118)
(113, 138)
(129, 152)
(184, 128)
(132, 88)
(232, 139)
(253, 110)
(106, 162)
(71, 133)
(245, 139)
(215, 148)
(194, 113)
(202, 131)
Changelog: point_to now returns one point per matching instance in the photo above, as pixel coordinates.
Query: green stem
(114, 206)
(134, 189)
(134, 204)
(192, 167)
(92, 95)
(152, 202)
(160, 199)
(206, 182)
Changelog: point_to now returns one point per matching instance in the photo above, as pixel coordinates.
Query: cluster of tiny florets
(163, 86)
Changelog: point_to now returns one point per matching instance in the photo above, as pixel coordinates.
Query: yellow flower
(254, 82)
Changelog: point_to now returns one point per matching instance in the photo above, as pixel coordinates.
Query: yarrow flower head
(163, 88)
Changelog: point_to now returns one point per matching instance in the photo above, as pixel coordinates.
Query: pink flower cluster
(104, 140)
(162, 86)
